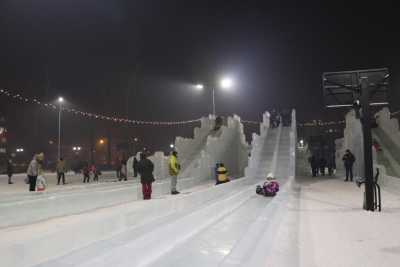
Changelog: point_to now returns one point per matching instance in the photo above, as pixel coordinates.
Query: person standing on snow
(174, 169)
(322, 166)
(123, 174)
(134, 167)
(86, 173)
(145, 168)
(10, 170)
(348, 160)
(314, 165)
(34, 169)
(61, 170)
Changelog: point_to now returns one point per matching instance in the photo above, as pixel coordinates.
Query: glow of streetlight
(20, 150)
(226, 83)
(101, 141)
(199, 86)
(60, 99)
(171, 146)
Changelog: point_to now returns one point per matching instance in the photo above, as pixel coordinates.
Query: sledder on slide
(269, 188)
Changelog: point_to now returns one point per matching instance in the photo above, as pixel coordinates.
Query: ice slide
(225, 225)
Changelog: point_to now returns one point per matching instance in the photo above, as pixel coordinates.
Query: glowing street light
(101, 141)
(199, 87)
(171, 145)
(19, 150)
(225, 84)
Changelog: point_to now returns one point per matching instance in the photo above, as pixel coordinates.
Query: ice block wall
(353, 140)
(257, 145)
(390, 126)
(198, 155)
(387, 134)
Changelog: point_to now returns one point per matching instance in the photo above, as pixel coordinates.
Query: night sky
(140, 59)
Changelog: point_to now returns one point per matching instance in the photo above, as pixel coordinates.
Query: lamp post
(60, 102)
(225, 83)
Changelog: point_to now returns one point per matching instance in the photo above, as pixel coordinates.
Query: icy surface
(186, 228)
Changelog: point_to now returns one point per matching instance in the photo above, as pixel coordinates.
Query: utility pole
(368, 162)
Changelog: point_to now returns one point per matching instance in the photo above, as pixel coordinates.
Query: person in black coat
(322, 166)
(145, 168)
(10, 170)
(331, 164)
(314, 165)
(348, 160)
(135, 164)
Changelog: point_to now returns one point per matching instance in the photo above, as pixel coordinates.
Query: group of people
(144, 167)
(318, 165)
(276, 118)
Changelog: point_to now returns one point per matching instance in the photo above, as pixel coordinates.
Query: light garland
(24, 99)
(320, 123)
(250, 122)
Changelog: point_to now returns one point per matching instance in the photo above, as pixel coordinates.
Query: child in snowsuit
(41, 183)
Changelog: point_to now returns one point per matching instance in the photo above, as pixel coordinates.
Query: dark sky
(139, 58)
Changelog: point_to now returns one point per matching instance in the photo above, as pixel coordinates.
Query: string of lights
(250, 122)
(21, 98)
(320, 123)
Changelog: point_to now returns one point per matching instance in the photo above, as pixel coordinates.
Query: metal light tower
(60, 102)
(225, 83)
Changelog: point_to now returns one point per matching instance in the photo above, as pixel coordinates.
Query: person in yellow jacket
(174, 168)
(222, 174)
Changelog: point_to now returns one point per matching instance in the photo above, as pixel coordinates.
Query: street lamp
(225, 84)
(171, 145)
(19, 150)
(199, 87)
(60, 102)
(101, 141)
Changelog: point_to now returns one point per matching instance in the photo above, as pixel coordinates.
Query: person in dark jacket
(145, 168)
(86, 173)
(348, 160)
(10, 170)
(61, 169)
(322, 166)
(331, 164)
(314, 165)
(135, 164)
